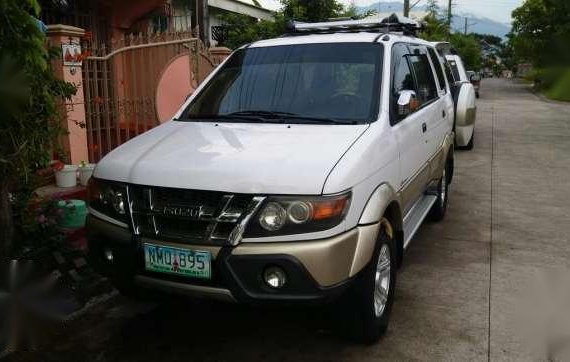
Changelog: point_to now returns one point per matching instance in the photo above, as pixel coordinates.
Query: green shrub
(560, 91)
(545, 78)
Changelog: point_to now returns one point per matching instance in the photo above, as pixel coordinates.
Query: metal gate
(120, 85)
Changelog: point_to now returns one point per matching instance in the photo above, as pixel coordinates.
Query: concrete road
(488, 283)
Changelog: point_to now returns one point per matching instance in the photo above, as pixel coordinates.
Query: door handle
(442, 114)
(424, 127)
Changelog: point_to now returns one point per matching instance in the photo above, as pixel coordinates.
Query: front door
(409, 130)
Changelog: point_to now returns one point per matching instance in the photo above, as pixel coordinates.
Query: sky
(498, 10)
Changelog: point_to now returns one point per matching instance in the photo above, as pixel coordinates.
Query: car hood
(232, 157)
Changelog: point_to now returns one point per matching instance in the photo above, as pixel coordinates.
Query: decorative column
(68, 67)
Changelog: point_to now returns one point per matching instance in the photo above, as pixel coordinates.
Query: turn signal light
(328, 209)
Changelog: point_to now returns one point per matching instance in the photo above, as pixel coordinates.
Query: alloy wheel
(382, 281)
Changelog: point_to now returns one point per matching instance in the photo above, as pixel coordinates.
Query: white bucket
(85, 173)
(67, 177)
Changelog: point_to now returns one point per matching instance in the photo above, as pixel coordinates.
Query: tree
(311, 10)
(29, 105)
(469, 48)
(490, 39)
(541, 32)
(433, 8)
(242, 29)
(434, 29)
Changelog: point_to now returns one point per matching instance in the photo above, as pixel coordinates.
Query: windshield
(306, 83)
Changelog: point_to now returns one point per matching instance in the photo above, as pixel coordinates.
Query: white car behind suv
(299, 171)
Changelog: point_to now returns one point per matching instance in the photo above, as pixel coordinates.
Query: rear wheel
(438, 210)
(370, 302)
(469, 146)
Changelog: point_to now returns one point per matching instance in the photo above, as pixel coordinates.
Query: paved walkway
(488, 283)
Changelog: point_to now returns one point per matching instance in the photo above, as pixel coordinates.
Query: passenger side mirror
(407, 103)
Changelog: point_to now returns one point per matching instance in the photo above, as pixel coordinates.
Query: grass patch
(560, 91)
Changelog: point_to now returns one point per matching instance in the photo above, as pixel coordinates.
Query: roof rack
(393, 23)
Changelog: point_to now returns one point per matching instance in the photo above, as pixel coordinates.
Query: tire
(471, 143)
(439, 209)
(477, 95)
(469, 146)
(367, 307)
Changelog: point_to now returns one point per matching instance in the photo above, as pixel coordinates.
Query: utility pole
(449, 16)
(406, 8)
(203, 17)
(467, 25)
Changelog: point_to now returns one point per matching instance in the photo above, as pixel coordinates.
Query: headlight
(108, 198)
(297, 215)
(273, 217)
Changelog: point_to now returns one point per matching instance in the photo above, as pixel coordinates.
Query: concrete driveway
(489, 283)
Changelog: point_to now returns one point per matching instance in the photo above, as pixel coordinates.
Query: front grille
(190, 216)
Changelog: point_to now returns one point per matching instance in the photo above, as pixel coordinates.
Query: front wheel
(370, 302)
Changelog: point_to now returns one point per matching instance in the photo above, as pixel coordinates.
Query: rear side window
(454, 70)
(449, 73)
(427, 90)
(437, 65)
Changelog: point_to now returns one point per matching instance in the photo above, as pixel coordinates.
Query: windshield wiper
(273, 114)
(227, 117)
(290, 116)
(264, 117)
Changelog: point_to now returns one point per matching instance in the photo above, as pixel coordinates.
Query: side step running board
(416, 216)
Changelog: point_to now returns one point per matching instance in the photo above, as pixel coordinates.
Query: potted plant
(65, 175)
(85, 172)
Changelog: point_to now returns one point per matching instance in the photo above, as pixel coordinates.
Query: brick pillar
(67, 38)
(219, 54)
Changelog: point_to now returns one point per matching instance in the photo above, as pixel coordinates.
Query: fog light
(108, 255)
(275, 277)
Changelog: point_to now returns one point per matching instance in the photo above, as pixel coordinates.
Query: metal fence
(120, 84)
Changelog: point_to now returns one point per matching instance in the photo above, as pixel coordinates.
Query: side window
(454, 70)
(427, 90)
(437, 65)
(402, 78)
(449, 73)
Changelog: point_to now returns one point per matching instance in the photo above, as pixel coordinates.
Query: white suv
(298, 172)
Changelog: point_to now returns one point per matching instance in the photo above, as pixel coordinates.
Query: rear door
(444, 124)
(429, 96)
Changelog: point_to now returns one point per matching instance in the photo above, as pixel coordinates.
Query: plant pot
(66, 177)
(85, 173)
(73, 214)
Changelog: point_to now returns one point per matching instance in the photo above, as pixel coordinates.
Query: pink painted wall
(174, 87)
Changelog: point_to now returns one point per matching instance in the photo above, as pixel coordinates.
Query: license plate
(185, 262)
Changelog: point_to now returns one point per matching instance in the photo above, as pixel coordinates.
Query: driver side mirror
(407, 103)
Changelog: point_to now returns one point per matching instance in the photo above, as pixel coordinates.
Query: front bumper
(317, 270)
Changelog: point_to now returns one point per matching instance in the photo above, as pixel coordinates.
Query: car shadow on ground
(183, 329)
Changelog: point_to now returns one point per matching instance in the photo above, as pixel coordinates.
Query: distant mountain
(480, 25)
